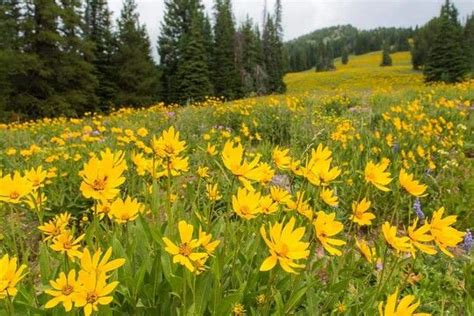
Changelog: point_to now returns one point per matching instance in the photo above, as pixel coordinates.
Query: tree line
(444, 48)
(319, 48)
(200, 59)
(68, 57)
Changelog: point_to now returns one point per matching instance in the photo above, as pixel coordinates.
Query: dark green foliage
(273, 55)
(98, 27)
(469, 40)
(446, 59)
(136, 78)
(422, 41)
(303, 52)
(193, 72)
(345, 56)
(226, 77)
(325, 57)
(386, 59)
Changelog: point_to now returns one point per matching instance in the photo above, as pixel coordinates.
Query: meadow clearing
(350, 195)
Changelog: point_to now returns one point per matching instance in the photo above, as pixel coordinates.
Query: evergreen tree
(386, 58)
(273, 56)
(446, 59)
(193, 71)
(469, 40)
(136, 78)
(208, 38)
(98, 29)
(36, 87)
(249, 58)
(76, 82)
(345, 56)
(422, 41)
(225, 72)
(9, 48)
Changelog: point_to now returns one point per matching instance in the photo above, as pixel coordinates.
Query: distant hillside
(331, 42)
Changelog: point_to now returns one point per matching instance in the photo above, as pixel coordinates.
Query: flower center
(66, 290)
(283, 250)
(185, 250)
(14, 195)
(99, 185)
(92, 297)
(67, 245)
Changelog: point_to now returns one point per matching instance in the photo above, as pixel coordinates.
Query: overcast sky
(303, 16)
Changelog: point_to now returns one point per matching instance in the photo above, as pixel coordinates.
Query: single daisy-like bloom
(94, 292)
(406, 307)
(246, 204)
(285, 246)
(279, 195)
(203, 172)
(377, 174)
(63, 290)
(98, 263)
(206, 242)
(412, 186)
(233, 158)
(184, 252)
(360, 216)
(211, 149)
(212, 192)
(280, 158)
(10, 275)
(65, 243)
(398, 243)
(327, 226)
(444, 235)
(101, 178)
(125, 211)
(168, 145)
(55, 226)
(328, 197)
(14, 188)
(37, 176)
(267, 205)
(368, 252)
(419, 237)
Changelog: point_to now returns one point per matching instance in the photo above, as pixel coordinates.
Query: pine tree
(422, 41)
(76, 82)
(136, 79)
(469, 40)
(273, 56)
(446, 59)
(35, 88)
(226, 78)
(249, 57)
(386, 58)
(9, 49)
(345, 56)
(208, 38)
(193, 71)
(98, 29)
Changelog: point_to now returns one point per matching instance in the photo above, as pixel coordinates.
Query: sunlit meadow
(351, 194)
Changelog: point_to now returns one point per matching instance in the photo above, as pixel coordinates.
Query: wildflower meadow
(352, 194)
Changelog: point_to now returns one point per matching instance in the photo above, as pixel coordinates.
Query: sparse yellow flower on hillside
(280, 158)
(360, 216)
(168, 145)
(377, 174)
(398, 243)
(102, 177)
(232, 156)
(10, 275)
(65, 243)
(94, 292)
(328, 197)
(185, 253)
(444, 235)
(64, 290)
(285, 246)
(419, 237)
(212, 192)
(125, 211)
(406, 307)
(246, 204)
(99, 264)
(14, 188)
(412, 186)
(327, 226)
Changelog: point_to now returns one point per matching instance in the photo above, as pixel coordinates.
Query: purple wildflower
(418, 210)
(468, 241)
